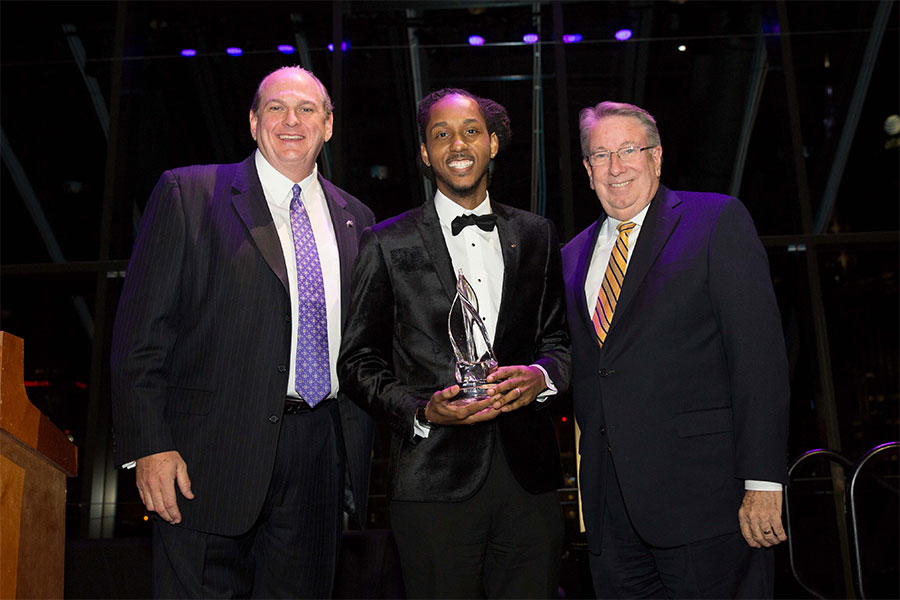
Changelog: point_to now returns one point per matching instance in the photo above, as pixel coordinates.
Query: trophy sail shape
(471, 369)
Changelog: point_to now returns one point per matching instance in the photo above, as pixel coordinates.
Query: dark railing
(847, 502)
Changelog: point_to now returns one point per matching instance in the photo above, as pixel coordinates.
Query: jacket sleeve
(365, 365)
(146, 325)
(747, 313)
(552, 351)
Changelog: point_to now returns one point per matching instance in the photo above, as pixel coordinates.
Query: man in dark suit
(679, 378)
(223, 362)
(473, 487)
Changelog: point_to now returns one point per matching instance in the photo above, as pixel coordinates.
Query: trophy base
(472, 393)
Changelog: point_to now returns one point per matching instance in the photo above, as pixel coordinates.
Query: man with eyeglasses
(680, 378)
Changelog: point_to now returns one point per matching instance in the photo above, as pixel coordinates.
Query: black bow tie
(485, 222)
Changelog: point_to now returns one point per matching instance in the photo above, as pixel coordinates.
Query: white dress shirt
(278, 191)
(606, 240)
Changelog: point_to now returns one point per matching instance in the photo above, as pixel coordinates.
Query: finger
(517, 398)
(184, 483)
(748, 534)
(148, 504)
(501, 373)
(482, 416)
(171, 503)
(159, 505)
(768, 535)
(505, 393)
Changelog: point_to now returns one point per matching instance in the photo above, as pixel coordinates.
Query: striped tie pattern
(612, 283)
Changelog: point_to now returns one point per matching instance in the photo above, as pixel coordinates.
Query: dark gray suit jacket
(396, 352)
(201, 342)
(690, 389)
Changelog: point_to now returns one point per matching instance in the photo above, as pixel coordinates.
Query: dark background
(783, 104)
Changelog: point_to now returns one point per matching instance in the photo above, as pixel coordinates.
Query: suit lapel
(249, 201)
(661, 220)
(430, 229)
(344, 225)
(509, 246)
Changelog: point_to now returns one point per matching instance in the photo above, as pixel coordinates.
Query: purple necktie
(313, 372)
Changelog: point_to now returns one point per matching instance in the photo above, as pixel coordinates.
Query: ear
(329, 126)
(587, 167)
(495, 145)
(254, 120)
(424, 152)
(657, 157)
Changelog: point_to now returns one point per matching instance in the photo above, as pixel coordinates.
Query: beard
(464, 191)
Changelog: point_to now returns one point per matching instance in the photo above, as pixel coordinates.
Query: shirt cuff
(762, 486)
(551, 389)
(130, 465)
(419, 429)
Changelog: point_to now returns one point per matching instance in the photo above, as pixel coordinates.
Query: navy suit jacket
(201, 342)
(690, 389)
(396, 352)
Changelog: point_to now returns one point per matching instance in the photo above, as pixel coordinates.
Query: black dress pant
(719, 567)
(291, 550)
(501, 543)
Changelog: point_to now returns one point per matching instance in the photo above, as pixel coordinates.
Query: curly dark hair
(495, 116)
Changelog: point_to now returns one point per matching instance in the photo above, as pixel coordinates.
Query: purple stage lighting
(345, 45)
(530, 38)
(234, 51)
(189, 52)
(286, 49)
(624, 34)
(476, 40)
(331, 47)
(572, 38)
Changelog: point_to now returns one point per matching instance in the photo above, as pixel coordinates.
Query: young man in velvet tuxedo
(473, 487)
(680, 379)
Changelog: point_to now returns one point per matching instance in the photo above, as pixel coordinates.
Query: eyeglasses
(626, 154)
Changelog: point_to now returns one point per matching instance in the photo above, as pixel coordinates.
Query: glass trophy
(471, 369)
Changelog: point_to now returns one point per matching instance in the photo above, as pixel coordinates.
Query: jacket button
(273, 419)
(604, 372)
(282, 369)
(603, 431)
(287, 318)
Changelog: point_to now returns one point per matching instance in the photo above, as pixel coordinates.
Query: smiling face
(624, 189)
(290, 126)
(459, 149)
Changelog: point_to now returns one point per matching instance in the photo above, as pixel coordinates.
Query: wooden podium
(35, 459)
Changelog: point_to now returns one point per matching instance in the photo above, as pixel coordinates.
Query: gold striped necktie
(612, 282)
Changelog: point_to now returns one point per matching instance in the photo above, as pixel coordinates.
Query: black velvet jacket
(396, 352)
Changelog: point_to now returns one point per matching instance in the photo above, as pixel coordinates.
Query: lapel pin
(349, 223)
(513, 245)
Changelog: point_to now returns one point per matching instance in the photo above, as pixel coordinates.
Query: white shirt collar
(448, 210)
(637, 219)
(277, 187)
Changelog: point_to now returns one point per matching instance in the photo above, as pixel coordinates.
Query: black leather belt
(293, 406)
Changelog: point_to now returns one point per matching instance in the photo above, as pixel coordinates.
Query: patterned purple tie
(313, 372)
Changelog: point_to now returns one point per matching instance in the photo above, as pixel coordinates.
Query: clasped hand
(513, 388)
